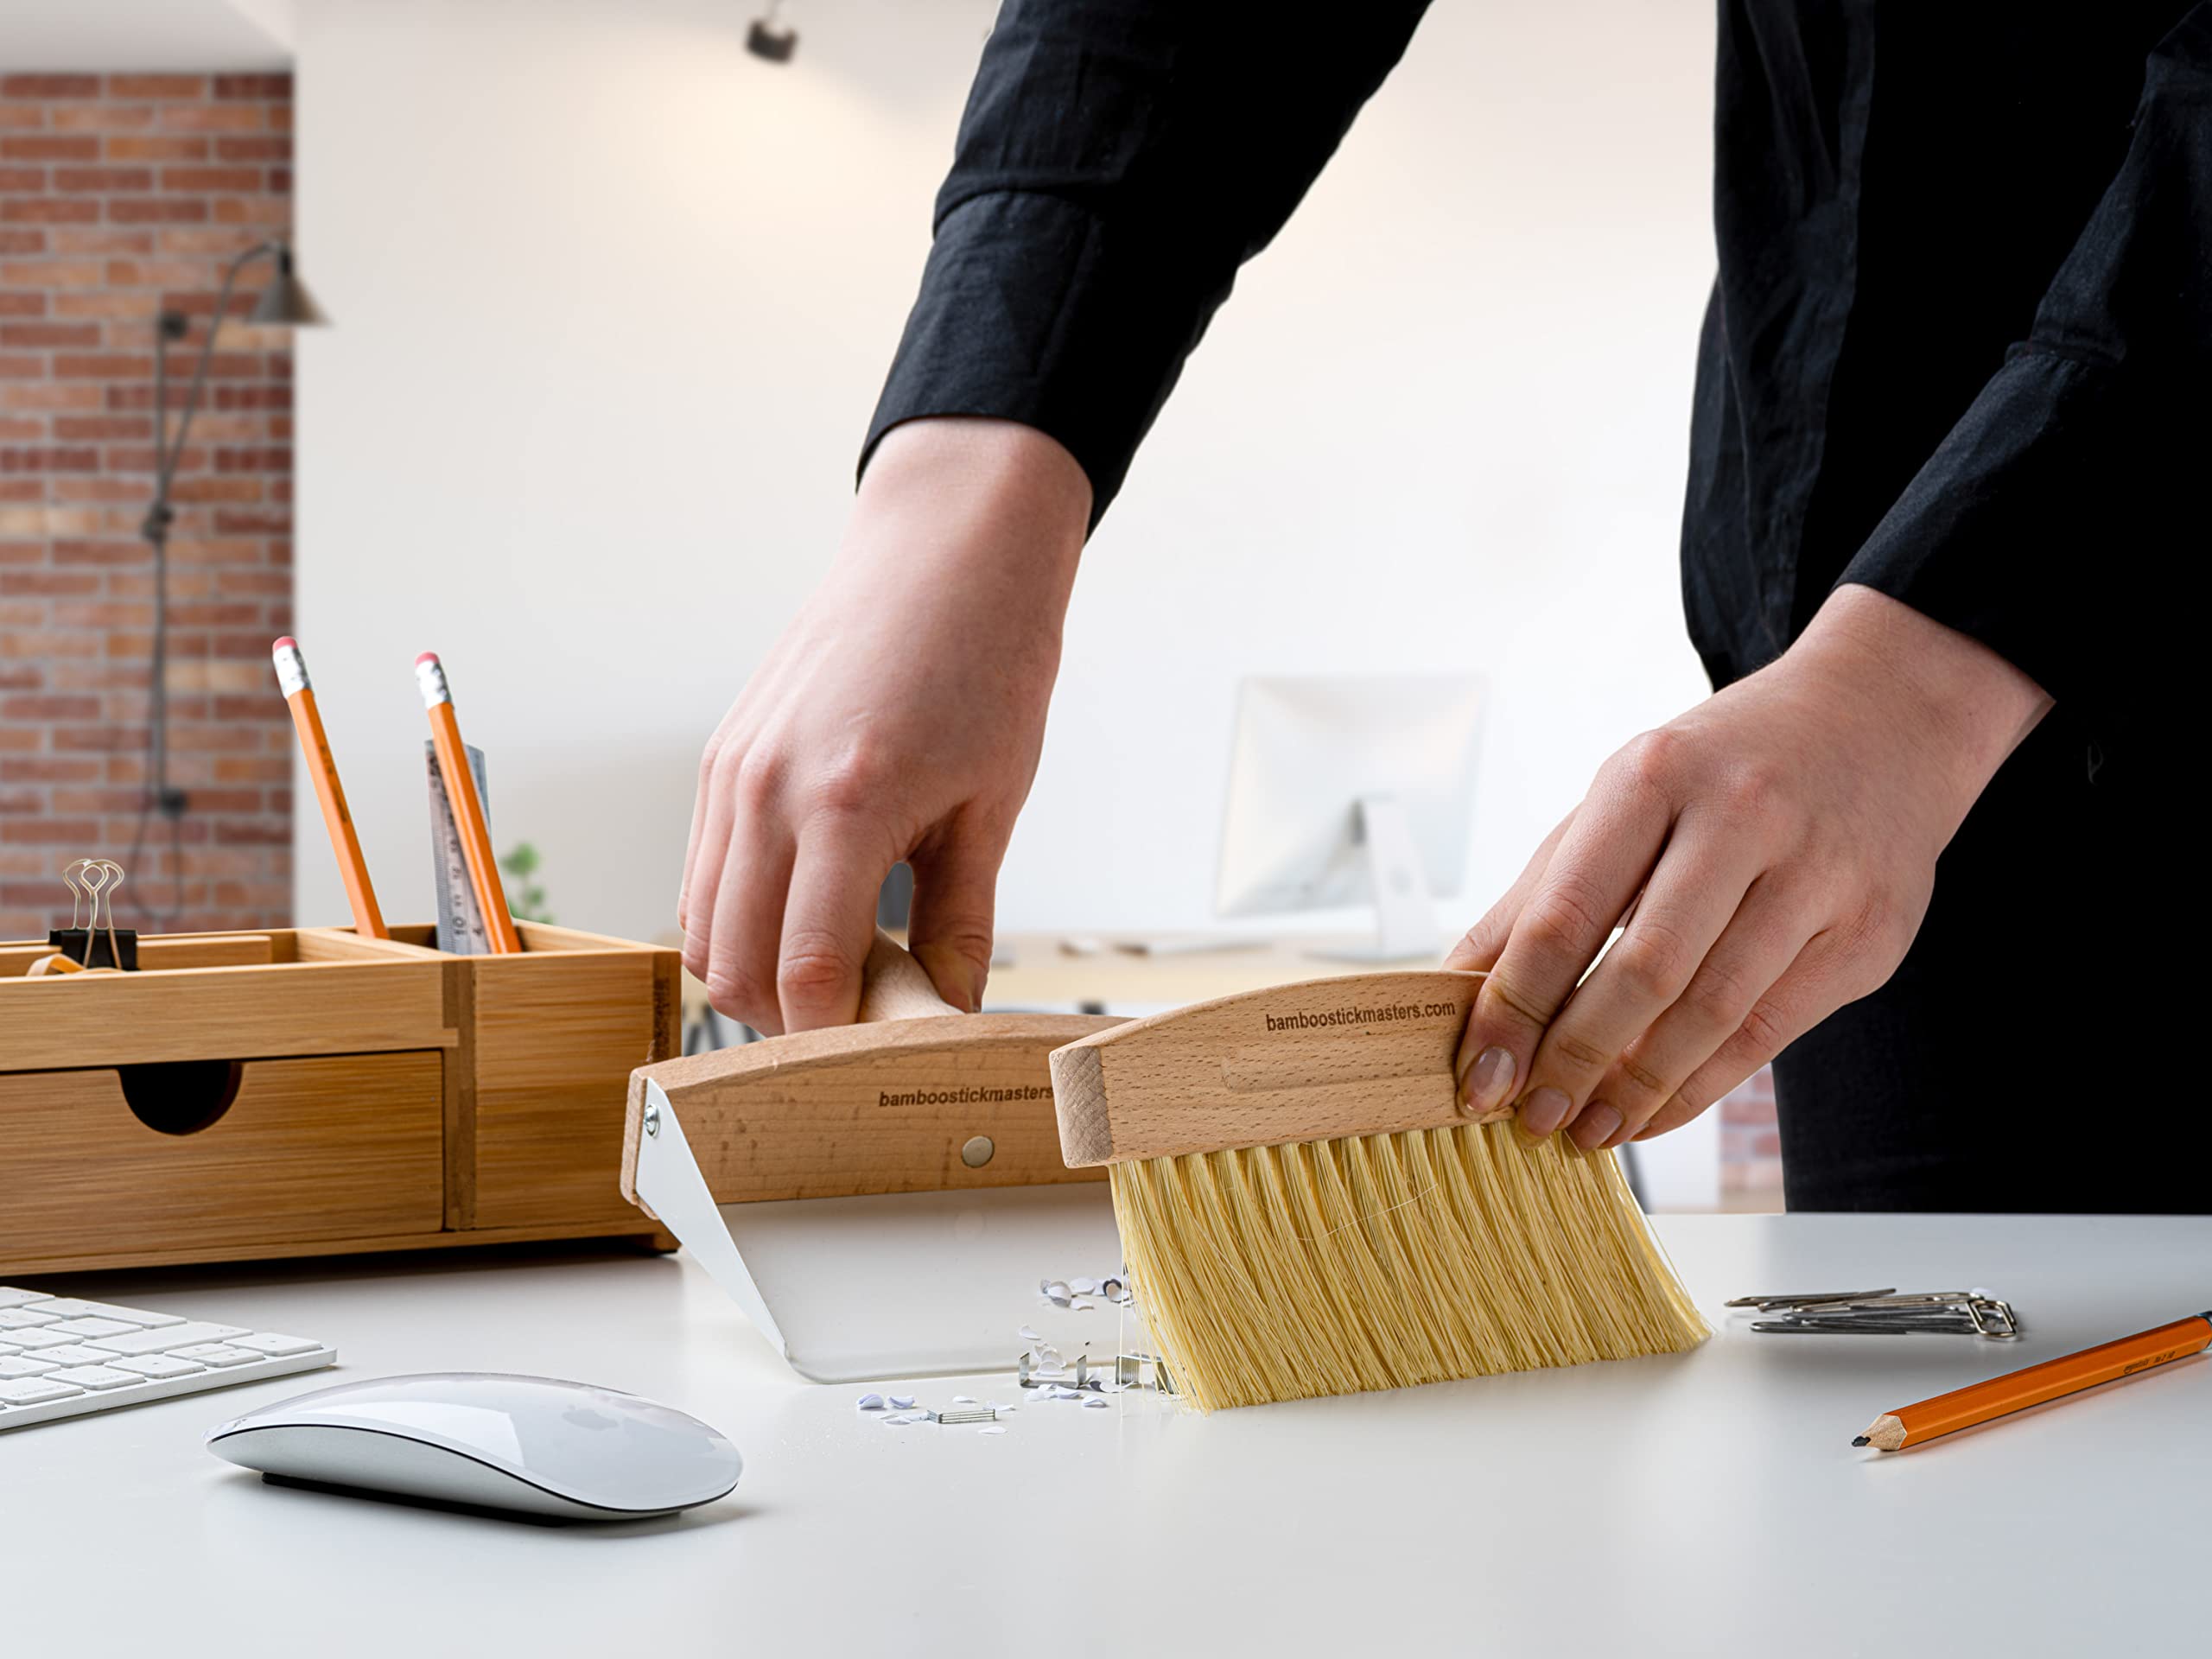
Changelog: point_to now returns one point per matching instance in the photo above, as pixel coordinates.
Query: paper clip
(1886, 1313)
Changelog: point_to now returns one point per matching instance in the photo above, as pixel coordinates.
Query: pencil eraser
(291, 666)
(426, 656)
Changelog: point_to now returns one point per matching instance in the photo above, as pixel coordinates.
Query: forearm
(1957, 708)
(993, 513)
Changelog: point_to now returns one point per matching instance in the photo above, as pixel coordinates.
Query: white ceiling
(112, 35)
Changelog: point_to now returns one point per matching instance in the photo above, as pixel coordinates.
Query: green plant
(525, 896)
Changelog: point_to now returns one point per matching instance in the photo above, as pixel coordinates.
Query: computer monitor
(1351, 789)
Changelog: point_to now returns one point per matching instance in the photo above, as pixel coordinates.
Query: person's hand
(899, 716)
(1771, 851)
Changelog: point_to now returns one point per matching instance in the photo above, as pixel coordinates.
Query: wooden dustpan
(880, 1198)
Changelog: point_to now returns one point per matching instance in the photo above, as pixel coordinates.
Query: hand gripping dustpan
(881, 1200)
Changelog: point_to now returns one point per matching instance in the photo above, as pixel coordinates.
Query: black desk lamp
(286, 303)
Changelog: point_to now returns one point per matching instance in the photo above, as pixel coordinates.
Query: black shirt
(1958, 349)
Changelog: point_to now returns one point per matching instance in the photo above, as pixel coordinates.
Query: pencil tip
(1859, 1440)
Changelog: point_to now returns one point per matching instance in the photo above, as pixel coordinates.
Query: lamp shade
(286, 300)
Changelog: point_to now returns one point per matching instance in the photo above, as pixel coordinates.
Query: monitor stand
(1405, 917)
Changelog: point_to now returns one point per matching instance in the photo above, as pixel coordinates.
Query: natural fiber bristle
(1377, 1262)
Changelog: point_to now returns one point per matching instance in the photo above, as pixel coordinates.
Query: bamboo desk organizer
(305, 1092)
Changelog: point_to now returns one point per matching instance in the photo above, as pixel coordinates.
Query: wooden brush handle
(893, 986)
(1361, 1054)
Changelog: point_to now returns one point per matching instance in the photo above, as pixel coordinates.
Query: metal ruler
(461, 923)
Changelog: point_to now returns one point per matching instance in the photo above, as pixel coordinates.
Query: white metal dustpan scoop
(881, 1200)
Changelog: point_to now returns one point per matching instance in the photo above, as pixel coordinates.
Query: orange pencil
(352, 869)
(467, 808)
(2052, 1380)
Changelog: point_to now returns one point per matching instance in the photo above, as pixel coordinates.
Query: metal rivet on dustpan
(976, 1152)
(653, 1120)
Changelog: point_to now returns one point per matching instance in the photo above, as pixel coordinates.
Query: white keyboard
(61, 1357)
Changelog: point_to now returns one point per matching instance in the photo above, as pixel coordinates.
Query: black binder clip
(98, 941)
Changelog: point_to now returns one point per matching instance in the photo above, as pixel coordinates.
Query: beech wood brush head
(1306, 1211)
(917, 1098)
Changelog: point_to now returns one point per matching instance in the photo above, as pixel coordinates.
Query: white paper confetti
(1083, 1287)
(963, 1399)
(992, 1429)
(870, 1403)
(1082, 1306)
(1100, 1404)
(1028, 1335)
(902, 1401)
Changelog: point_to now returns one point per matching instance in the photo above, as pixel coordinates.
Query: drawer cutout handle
(179, 1097)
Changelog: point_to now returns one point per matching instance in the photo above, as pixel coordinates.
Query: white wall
(613, 302)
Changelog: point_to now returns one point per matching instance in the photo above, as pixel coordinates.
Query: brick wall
(121, 195)
(1751, 1146)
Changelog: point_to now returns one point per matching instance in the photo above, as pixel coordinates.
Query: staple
(1128, 1372)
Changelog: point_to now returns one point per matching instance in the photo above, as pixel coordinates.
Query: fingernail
(1544, 1111)
(1595, 1125)
(1487, 1079)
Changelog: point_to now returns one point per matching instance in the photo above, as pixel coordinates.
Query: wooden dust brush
(1306, 1211)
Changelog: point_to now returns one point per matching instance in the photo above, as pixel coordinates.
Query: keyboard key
(149, 1365)
(268, 1342)
(23, 1365)
(10, 1297)
(35, 1390)
(101, 1377)
(23, 1319)
(44, 1336)
(90, 1326)
(219, 1353)
(169, 1337)
(75, 1353)
(143, 1318)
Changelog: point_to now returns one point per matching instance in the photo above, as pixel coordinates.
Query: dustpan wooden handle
(893, 986)
(1360, 1054)
(908, 1103)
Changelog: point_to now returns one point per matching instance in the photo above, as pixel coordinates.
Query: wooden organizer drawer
(541, 1077)
(210, 1159)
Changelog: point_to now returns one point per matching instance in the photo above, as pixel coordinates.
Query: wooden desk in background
(1034, 971)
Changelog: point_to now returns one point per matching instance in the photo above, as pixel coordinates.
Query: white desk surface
(1708, 1505)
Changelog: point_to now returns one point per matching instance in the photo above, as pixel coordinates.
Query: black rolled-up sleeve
(2056, 520)
(1117, 162)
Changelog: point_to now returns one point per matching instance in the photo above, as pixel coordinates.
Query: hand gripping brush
(1305, 1209)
